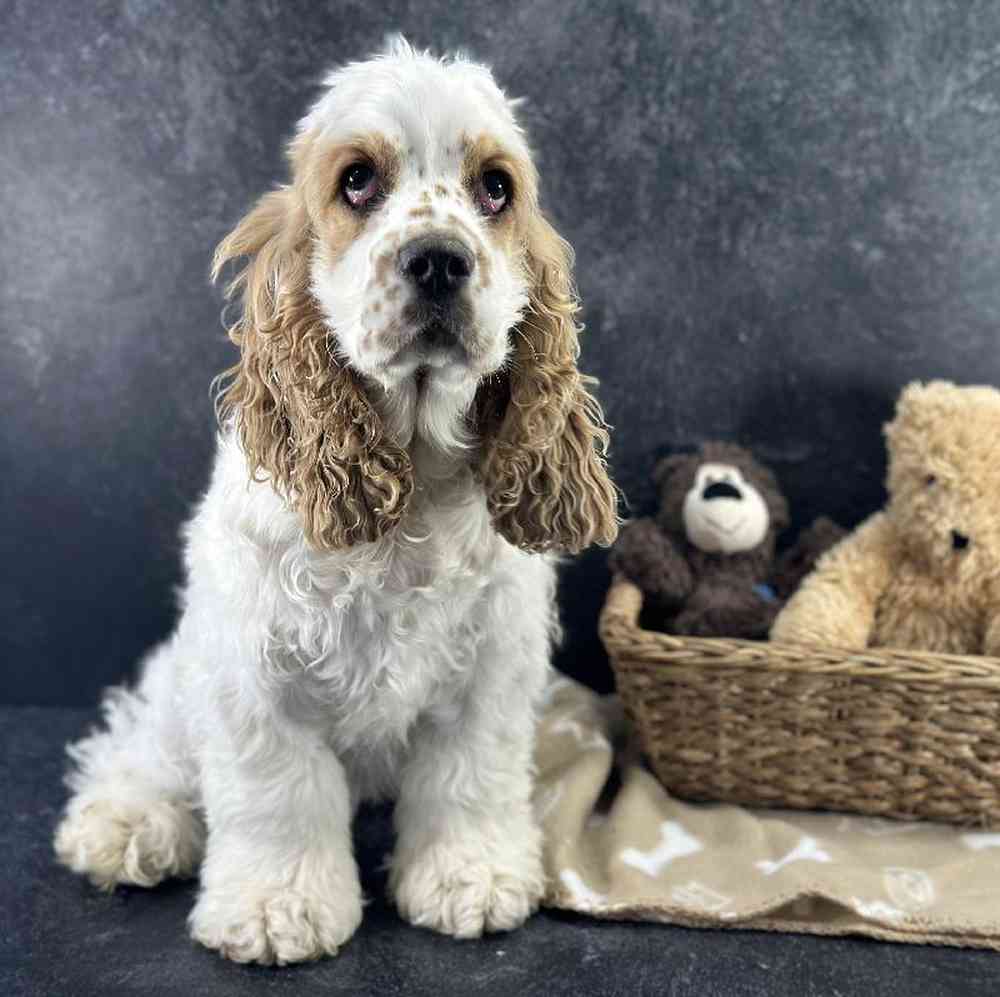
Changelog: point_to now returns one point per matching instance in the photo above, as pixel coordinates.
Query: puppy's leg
(279, 882)
(468, 853)
(131, 818)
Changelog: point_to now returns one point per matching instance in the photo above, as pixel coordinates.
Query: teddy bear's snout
(959, 541)
(721, 489)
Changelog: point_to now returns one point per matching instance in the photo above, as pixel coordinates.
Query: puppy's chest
(377, 642)
(917, 613)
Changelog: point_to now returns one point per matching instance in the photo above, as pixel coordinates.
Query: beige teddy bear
(925, 572)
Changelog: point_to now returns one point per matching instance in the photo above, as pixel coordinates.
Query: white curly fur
(299, 682)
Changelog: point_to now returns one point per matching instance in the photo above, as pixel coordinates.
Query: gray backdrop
(783, 210)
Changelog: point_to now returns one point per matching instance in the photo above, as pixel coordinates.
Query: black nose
(721, 489)
(959, 541)
(437, 267)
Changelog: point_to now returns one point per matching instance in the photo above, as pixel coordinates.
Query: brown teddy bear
(925, 572)
(706, 562)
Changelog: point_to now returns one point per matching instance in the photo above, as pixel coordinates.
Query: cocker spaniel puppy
(368, 609)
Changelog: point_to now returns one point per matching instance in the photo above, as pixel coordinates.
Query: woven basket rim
(628, 644)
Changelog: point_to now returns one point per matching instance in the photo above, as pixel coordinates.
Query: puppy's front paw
(139, 844)
(283, 913)
(451, 891)
(252, 923)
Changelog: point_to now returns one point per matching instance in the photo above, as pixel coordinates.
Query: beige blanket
(618, 846)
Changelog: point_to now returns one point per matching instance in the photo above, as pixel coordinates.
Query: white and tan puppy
(368, 609)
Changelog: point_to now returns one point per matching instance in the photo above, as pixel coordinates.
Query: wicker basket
(881, 732)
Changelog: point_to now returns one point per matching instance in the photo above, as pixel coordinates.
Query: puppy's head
(405, 286)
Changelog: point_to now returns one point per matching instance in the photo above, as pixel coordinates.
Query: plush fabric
(706, 562)
(924, 573)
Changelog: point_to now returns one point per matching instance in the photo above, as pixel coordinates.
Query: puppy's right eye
(931, 479)
(359, 184)
(493, 192)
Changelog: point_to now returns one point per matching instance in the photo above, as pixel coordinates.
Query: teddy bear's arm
(991, 645)
(991, 641)
(648, 557)
(836, 604)
(801, 558)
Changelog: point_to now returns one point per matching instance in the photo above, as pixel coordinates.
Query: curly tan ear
(302, 416)
(543, 468)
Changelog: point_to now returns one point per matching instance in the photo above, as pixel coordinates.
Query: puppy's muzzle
(437, 267)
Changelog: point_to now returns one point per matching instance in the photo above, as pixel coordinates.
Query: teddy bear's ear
(777, 506)
(766, 482)
(909, 398)
(919, 403)
(668, 465)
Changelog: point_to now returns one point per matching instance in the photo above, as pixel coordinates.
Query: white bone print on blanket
(583, 896)
(877, 910)
(910, 889)
(587, 737)
(977, 841)
(675, 843)
(807, 850)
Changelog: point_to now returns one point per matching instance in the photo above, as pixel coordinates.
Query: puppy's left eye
(359, 184)
(494, 190)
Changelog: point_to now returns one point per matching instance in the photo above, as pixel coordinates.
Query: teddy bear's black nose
(959, 541)
(721, 489)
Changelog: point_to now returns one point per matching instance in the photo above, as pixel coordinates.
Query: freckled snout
(438, 268)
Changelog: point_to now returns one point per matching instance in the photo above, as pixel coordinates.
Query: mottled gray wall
(783, 210)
